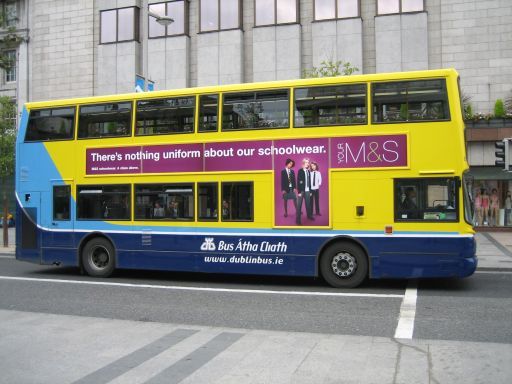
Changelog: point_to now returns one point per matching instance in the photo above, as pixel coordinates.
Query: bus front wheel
(344, 265)
(98, 257)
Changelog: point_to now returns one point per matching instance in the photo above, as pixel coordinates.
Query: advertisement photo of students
(301, 188)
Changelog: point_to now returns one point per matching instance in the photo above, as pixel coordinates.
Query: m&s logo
(208, 244)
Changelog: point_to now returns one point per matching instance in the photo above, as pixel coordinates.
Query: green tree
(7, 144)
(329, 68)
(499, 109)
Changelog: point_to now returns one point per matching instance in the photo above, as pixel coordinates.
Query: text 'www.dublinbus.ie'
(244, 260)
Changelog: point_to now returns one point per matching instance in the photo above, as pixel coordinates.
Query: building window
(336, 9)
(386, 7)
(217, 15)
(9, 14)
(103, 202)
(10, 68)
(237, 202)
(271, 12)
(164, 202)
(178, 10)
(105, 120)
(118, 25)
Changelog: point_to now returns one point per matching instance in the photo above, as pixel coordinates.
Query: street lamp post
(163, 20)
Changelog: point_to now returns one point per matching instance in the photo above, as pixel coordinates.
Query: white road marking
(204, 289)
(6, 257)
(405, 327)
(494, 272)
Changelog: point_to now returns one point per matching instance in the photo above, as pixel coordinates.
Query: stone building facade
(84, 48)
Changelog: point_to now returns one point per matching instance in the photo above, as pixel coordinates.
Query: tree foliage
(7, 136)
(329, 68)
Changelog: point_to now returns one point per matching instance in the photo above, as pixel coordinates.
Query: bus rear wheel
(98, 257)
(344, 265)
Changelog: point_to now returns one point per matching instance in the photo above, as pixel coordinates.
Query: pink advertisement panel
(301, 166)
(369, 151)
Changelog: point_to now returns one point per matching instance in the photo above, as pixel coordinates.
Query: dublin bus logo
(208, 244)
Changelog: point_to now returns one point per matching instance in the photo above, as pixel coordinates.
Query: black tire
(98, 257)
(344, 265)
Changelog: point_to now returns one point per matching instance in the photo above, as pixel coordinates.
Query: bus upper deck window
(165, 116)
(51, 124)
(330, 105)
(256, 110)
(105, 120)
(410, 101)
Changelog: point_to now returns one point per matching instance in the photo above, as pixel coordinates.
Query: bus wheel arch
(343, 262)
(97, 255)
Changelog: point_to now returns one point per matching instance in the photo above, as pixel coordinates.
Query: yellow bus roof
(247, 86)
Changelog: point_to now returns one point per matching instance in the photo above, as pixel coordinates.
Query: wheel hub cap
(100, 257)
(344, 264)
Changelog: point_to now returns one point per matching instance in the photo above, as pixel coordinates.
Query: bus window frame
(194, 115)
(130, 201)
(217, 188)
(221, 110)
(221, 199)
(372, 93)
(198, 111)
(165, 219)
(132, 114)
(75, 124)
(423, 181)
(366, 97)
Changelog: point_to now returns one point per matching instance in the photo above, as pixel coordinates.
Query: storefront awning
(489, 173)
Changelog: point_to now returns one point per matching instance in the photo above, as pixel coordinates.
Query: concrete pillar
(277, 52)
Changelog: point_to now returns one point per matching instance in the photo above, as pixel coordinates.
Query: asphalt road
(476, 309)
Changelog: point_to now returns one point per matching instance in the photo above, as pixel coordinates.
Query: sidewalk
(494, 249)
(48, 348)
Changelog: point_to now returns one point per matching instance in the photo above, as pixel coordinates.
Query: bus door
(58, 215)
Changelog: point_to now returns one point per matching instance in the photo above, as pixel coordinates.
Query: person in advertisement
(288, 185)
(304, 191)
(316, 182)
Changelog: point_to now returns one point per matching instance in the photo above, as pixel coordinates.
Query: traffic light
(502, 154)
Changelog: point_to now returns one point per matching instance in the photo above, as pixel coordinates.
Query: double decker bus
(344, 178)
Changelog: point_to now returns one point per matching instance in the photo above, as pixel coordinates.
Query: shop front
(491, 189)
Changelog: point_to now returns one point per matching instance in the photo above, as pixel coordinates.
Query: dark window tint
(237, 202)
(420, 100)
(161, 116)
(208, 113)
(332, 105)
(208, 201)
(51, 124)
(256, 110)
(61, 202)
(164, 202)
(103, 202)
(426, 199)
(105, 120)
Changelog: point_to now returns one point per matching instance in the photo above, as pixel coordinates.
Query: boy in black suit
(288, 185)
(304, 191)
